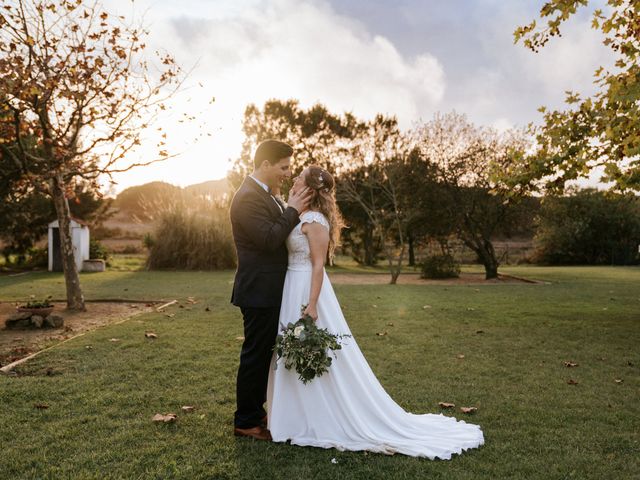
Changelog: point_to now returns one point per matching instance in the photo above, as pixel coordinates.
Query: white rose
(298, 330)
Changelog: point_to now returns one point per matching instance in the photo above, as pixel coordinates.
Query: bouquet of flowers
(306, 347)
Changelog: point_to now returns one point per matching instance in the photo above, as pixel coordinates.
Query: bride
(346, 408)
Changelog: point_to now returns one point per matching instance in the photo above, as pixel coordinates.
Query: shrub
(191, 240)
(97, 250)
(440, 266)
(36, 258)
(588, 227)
(148, 241)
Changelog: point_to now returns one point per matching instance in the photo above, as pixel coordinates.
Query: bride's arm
(318, 237)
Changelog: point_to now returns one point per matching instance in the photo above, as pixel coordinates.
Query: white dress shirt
(266, 189)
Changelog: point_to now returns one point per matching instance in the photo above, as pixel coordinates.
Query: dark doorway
(57, 252)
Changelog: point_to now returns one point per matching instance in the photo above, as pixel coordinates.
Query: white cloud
(282, 49)
(512, 82)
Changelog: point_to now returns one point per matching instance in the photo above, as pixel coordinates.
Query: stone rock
(54, 321)
(10, 323)
(94, 265)
(37, 321)
(18, 320)
(19, 316)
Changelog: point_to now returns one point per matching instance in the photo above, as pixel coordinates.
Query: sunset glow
(349, 60)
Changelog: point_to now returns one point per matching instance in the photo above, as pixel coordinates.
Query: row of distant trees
(397, 188)
(444, 179)
(77, 94)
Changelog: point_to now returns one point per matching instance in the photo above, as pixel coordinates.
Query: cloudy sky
(408, 58)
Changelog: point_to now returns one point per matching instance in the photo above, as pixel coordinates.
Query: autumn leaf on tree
(75, 99)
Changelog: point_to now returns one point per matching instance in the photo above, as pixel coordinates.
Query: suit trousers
(260, 331)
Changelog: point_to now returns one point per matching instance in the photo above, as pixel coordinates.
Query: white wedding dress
(347, 408)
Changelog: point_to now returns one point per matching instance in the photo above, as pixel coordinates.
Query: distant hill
(212, 188)
(142, 202)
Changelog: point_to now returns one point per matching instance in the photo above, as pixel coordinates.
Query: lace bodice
(297, 243)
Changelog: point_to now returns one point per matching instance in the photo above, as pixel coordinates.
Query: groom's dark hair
(272, 151)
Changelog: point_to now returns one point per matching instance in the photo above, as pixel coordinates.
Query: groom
(261, 223)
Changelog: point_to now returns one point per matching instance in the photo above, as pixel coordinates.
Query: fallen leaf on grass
(239, 338)
(390, 324)
(460, 356)
(88, 347)
(192, 300)
(479, 331)
(166, 418)
(381, 334)
(41, 406)
(374, 306)
(618, 380)
(188, 408)
(114, 339)
(170, 315)
(468, 409)
(424, 307)
(570, 364)
(446, 405)
(571, 381)
(207, 309)
(150, 335)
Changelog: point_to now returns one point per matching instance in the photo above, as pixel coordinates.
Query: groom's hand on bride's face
(300, 199)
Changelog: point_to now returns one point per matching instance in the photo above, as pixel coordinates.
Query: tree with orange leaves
(76, 94)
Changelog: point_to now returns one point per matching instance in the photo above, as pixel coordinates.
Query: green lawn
(514, 339)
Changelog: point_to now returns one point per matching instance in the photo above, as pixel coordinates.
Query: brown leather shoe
(257, 433)
(264, 422)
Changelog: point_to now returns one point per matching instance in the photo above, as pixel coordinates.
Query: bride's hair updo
(324, 201)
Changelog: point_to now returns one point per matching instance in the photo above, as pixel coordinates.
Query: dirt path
(414, 279)
(17, 344)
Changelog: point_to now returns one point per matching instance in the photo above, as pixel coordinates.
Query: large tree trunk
(483, 248)
(396, 269)
(412, 255)
(368, 241)
(75, 299)
(487, 255)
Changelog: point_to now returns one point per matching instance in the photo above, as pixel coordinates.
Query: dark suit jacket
(260, 230)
